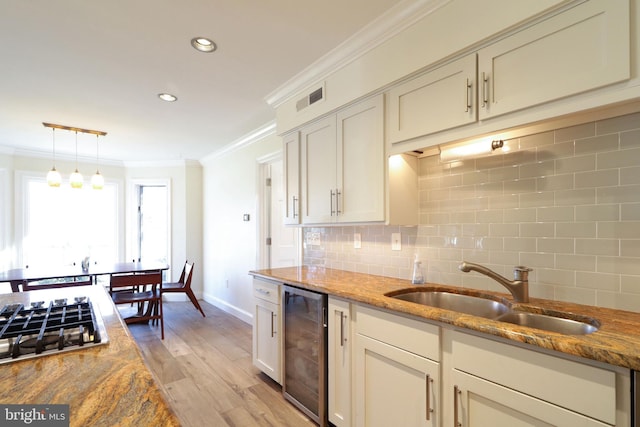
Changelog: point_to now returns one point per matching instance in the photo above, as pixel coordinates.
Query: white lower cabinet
(267, 340)
(339, 363)
(503, 385)
(480, 403)
(390, 370)
(394, 385)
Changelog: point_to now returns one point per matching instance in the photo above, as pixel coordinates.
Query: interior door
(153, 224)
(284, 240)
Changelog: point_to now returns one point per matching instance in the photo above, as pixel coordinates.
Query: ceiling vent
(310, 99)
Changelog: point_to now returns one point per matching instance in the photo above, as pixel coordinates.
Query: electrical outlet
(313, 239)
(357, 241)
(396, 240)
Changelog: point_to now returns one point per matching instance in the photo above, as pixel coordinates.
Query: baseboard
(231, 309)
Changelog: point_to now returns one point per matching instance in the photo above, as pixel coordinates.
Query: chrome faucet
(519, 287)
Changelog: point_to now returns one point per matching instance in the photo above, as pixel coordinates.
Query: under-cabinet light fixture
(470, 150)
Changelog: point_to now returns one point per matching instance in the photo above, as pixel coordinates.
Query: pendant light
(53, 176)
(97, 180)
(76, 178)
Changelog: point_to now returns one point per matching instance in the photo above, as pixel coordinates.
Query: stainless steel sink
(495, 310)
(467, 304)
(548, 323)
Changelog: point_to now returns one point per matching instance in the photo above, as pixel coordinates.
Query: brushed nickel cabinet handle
(468, 90)
(456, 393)
(273, 332)
(429, 410)
(295, 201)
(342, 339)
(485, 89)
(331, 194)
(338, 194)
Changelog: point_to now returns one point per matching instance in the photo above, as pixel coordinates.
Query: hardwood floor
(204, 367)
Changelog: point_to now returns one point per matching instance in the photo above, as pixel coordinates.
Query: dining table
(17, 276)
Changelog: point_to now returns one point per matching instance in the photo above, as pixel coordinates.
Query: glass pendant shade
(97, 181)
(53, 178)
(76, 179)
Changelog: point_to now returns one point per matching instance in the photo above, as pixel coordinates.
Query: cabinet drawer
(582, 388)
(411, 335)
(267, 291)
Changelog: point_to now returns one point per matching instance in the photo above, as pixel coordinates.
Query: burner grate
(39, 328)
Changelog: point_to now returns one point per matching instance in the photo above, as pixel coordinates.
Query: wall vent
(310, 99)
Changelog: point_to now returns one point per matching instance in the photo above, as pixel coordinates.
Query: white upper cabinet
(582, 48)
(440, 99)
(577, 49)
(360, 178)
(318, 171)
(342, 172)
(291, 149)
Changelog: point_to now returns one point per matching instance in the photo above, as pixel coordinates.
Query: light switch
(396, 244)
(357, 241)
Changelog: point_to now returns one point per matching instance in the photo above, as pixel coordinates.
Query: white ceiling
(100, 65)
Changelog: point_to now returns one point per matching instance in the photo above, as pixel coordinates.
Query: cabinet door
(266, 339)
(318, 169)
(360, 162)
(339, 362)
(480, 403)
(438, 100)
(583, 48)
(291, 150)
(394, 387)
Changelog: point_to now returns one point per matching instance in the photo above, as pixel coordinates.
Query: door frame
(263, 252)
(131, 229)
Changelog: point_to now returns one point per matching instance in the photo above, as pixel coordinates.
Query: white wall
(230, 191)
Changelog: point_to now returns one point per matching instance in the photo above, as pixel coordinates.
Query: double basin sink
(481, 306)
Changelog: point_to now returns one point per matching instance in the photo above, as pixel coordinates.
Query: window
(64, 225)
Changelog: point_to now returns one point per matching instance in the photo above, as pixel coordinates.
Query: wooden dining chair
(139, 289)
(183, 285)
(45, 284)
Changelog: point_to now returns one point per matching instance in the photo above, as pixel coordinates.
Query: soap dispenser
(417, 278)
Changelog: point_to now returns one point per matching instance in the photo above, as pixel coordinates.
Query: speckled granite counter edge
(617, 341)
(108, 384)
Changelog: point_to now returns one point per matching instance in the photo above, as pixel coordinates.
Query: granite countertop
(616, 342)
(104, 385)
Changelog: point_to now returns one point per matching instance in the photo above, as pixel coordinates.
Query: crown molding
(258, 134)
(162, 163)
(378, 31)
(40, 154)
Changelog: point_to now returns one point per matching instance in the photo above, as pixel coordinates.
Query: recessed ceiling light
(167, 97)
(203, 44)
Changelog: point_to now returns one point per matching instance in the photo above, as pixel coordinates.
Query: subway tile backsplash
(565, 203)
